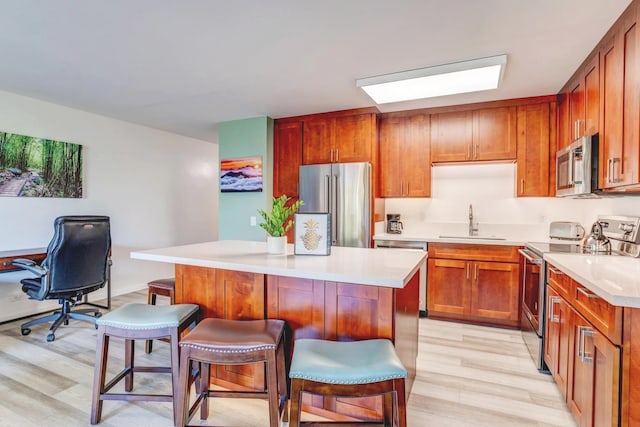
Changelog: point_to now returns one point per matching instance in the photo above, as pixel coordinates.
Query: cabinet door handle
(407, 188)
(551, 314)
(522, 186)
(475, 152)
(468, 271)
(554, 270)
(475, 271)
(586, 293)
(615, 178)
(469, 152)
(337, 156)
(583, 333)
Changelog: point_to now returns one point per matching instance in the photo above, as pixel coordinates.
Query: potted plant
(278, 222)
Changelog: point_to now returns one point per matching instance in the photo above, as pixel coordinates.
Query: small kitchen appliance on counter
(596, 242)
(394, 225)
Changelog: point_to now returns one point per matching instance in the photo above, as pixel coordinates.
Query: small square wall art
(241, 175)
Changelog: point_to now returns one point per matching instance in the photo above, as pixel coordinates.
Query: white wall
(160, 189)
(490, 189)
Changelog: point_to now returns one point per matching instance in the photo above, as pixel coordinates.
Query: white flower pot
(276, 245)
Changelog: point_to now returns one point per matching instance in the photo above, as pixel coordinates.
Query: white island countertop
(378, 267)
(616, 279)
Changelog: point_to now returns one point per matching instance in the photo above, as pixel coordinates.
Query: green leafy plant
(278, 221)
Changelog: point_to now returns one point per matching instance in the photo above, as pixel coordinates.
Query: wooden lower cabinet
(585, 364)
(594, 375)
(477, 291)
(557, 330)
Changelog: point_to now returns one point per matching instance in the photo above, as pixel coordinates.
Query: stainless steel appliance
(411, 245)
(596, 242)
(394, 225)
(623, 233)
(344, 191)
(577, 168)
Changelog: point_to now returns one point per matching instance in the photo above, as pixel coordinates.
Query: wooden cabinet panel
(532, 179)
(630, 163)
(604, 316)
(287, 158)
(339, 139)
(495, 290)
(563, 122)
(448, 288)
(405, 166)
(560, 281)
(594, 375)
(576, 107)
(353, 136)
(451, 136)
(494, 134)
(201, 289)
(317, 146)
(592, 95)
(556, 343)
(474, 252)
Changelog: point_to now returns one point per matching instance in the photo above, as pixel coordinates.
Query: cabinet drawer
(605, 317)
(560, 282)
(474, 252)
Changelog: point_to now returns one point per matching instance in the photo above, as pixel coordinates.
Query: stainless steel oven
(533, 299)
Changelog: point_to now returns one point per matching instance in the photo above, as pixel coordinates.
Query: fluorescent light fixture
(440, 80)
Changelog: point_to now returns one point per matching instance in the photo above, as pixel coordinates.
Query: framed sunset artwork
(241, 175)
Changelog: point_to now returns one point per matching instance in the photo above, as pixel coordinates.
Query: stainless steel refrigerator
(344, 191)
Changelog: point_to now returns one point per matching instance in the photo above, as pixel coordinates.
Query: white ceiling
(185, 65)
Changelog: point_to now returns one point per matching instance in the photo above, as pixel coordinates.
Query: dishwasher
(411, 245)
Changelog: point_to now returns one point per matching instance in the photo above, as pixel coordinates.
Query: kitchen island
(352, 294)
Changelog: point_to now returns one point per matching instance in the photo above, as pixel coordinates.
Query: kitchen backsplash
(490, 189)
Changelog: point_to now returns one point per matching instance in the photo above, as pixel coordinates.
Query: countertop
(377, 267)
(488, 239)
(616, 279)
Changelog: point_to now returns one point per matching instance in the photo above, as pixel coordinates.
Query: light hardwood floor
(467, 376)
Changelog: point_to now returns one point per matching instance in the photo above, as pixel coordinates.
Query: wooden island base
(312, 309)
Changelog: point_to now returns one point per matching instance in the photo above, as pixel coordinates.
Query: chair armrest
(29, 265)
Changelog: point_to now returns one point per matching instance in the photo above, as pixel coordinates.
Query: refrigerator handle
(327, 192)
(334, 211)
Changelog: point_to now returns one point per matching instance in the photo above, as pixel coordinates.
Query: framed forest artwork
(38, 167)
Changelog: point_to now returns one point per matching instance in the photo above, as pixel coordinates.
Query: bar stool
(139, 321)
(162, 287)
(233, 342)
(349, 369)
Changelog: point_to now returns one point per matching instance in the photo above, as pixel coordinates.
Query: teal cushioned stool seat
(349, 369)
(139, 322)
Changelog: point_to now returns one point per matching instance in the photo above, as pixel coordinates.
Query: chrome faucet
(473, 228)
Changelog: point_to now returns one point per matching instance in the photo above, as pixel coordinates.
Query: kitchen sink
(471, 237)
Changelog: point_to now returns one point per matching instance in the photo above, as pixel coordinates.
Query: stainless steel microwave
(577, 168)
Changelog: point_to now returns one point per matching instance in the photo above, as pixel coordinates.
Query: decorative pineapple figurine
(311, 238)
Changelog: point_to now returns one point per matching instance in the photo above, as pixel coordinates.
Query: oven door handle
(530, 257)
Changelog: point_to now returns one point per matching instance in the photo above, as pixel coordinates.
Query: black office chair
(77, 263)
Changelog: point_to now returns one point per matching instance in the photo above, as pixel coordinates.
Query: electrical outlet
(252, 221)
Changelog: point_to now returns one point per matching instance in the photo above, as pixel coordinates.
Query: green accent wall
(245, 138)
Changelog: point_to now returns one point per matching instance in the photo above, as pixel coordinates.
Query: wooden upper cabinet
(451, 136)
(339, 139)
(576, 108)
(494, 134)
(619, 142)
(533, 150)
(479, 135)
(405, 168)
(287, 158)
(592, 95)
(563, 122)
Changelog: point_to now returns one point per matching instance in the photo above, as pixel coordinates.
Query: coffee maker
(394, 225)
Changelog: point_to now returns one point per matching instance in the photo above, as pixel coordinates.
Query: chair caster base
(25, 331)
(51, 337)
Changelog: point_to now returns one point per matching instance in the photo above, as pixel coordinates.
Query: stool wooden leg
(205, 380)
(296, 402)
(129, 355)
(151, 299)
(99, 374)
(282, 383)
(272, 388)
(388, 401)
(182, 414)
(401, 404)
(175, 370)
